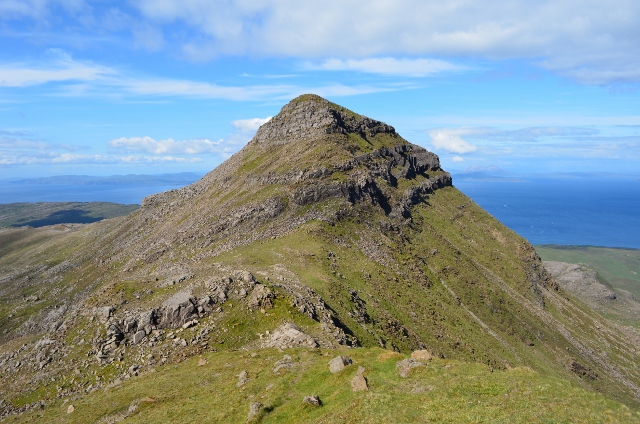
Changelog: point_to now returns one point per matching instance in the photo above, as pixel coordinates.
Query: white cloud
(592, 41)
(245, 130)
(250, 125)
(451, 140)
(457, 159)
(19, 8)
(389, 66)
(77, 78)
(168, 146)
(22, 75)
(540, 142)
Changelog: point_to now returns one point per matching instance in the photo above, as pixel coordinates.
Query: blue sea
(117, 193)
(581, 211)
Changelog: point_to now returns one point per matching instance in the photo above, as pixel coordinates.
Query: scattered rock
(178, 309)
(288, 336)
(243, 378)
(312, 400)
(180, 341)
(190, 324)
(255, 410)
(405, 366)
(202, 362)
(260, 297)
(582, 371)
(70, 409)
(420, 389)
(137, 338)
(421, 355)
(338, 363)
(248, 277)
(105, 313)
(359, 383)
(285, 363)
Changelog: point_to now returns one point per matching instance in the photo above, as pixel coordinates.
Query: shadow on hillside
(71, 216)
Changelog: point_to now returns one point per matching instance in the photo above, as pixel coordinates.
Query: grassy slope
(446, 300)
(444, 390)
(51, 213)
(619, 267)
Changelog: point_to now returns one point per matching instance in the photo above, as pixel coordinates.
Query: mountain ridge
(326, 220)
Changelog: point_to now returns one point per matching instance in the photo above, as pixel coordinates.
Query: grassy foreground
(619, 267)
(205, 389)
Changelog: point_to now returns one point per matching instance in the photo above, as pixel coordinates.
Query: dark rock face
(582, 371)
(412, 160)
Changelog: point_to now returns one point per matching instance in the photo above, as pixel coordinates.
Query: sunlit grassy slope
(441, 391)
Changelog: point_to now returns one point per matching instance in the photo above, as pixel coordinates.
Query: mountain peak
(310, 116)
(329, 224)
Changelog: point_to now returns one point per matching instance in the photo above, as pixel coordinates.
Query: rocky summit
(328, 230)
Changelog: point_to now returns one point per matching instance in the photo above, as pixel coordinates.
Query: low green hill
(51, 213)
(619, 267)
(606, 279)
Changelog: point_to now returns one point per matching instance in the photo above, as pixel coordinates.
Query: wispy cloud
(27, 141)
(537, 142)
(26, 148)
(591, 42)
(61, 68)
(245, 130)
(76, 78)
(388, 66)
(169, 146)
(451, 139)
(56, 158)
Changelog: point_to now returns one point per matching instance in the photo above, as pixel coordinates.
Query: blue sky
(104, 87)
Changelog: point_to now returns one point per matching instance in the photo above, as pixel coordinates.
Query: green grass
(619, 267)
(442, 391)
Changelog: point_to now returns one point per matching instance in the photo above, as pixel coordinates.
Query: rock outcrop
(289, 335)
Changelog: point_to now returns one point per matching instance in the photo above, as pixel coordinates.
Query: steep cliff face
(326, 219)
